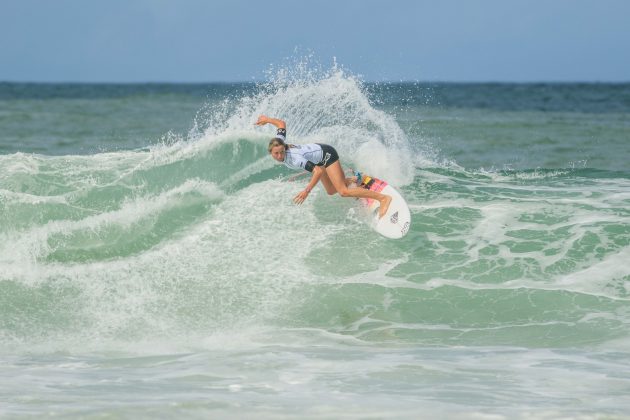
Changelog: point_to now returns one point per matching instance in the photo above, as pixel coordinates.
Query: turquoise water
(152, 264)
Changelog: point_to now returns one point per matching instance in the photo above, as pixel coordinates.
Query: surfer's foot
(382, 211)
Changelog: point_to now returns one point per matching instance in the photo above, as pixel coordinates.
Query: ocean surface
(153, 265)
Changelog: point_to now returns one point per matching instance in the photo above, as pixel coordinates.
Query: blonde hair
(277, 142)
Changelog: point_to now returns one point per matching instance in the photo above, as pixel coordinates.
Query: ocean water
(152, 264)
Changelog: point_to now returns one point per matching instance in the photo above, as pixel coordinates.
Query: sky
(388, 40)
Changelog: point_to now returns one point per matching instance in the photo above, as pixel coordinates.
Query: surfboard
(397, 221)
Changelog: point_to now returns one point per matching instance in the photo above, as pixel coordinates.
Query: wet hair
(277, 142)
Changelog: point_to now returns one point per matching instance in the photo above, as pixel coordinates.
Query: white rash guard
(306, 156)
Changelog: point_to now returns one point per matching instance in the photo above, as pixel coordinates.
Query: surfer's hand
(299, 199)
(262, 120)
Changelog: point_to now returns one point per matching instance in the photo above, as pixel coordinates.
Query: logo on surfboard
(394, 218)
(404, 229)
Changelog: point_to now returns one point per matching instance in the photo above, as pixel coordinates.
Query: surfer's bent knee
(344, 192)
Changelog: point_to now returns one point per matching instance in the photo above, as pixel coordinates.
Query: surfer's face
(277, 152)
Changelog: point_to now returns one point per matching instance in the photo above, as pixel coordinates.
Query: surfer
(320, 159)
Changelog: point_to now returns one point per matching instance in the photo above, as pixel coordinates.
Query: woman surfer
(320, 159)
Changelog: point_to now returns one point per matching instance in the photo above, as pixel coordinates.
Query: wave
(198, 236)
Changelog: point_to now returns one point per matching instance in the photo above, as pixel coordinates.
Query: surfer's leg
(338, 179)
(327, 183)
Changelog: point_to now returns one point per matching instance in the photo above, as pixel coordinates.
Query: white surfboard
(396, 223)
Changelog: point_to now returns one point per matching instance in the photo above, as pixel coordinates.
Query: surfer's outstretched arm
(317, 174)
(263, 119)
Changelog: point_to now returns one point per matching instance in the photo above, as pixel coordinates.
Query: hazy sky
(238, 40)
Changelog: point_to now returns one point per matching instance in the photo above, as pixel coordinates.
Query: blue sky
(237, 40)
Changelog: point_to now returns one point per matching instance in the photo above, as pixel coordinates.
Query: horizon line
(253, 82)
